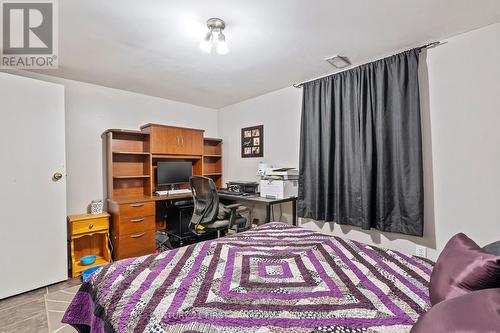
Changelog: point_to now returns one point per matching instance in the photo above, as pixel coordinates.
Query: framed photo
(252, 141)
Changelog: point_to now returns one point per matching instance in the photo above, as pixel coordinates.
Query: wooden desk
(266, 201)
(132, 159)
(146, 198)
(88, 234)
(135, 224)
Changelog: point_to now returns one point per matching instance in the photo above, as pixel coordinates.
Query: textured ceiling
(151, 46)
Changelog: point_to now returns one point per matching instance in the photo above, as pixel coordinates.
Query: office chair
(211, 216)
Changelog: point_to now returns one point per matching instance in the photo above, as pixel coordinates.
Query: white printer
(279, 183)
(282, 173)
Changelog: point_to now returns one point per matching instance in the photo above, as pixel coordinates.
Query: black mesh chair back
(206, 201)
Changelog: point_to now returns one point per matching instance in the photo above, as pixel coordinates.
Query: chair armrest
(242, 209)
(233, 206)
(236, 209)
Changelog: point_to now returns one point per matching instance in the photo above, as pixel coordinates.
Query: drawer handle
(137, 205)
(138, 235)
(137, 220)
(91, 226)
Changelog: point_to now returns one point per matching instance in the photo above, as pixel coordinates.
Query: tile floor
(38, 311)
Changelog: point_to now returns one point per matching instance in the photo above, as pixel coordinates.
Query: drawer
(86, 226)
(135, 245)
(136, 225)
(137, 210)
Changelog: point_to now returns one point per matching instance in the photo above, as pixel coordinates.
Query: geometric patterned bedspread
(276, 278)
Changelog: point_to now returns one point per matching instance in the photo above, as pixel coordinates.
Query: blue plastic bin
(88, 272)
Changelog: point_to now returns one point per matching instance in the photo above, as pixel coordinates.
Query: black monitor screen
(174, 172)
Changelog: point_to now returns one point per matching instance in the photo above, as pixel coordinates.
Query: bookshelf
(212, 160)
(129, 163)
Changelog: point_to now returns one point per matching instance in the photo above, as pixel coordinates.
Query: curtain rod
(426, 46)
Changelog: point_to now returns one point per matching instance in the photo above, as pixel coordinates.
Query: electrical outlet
(421, 251)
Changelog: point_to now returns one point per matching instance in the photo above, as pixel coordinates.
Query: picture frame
(252, 141)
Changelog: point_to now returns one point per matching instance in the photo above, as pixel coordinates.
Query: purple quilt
(275, 278)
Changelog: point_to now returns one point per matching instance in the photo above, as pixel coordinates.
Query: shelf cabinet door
(192, 142)
(165, 140)
(176, 141)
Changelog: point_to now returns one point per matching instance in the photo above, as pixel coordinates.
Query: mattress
(275, 278)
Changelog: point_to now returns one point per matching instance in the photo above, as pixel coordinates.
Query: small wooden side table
(88, 234)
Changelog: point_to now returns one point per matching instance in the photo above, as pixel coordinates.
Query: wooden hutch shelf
(130, 153)
(212, 160)
(129, 163)
(131, 177)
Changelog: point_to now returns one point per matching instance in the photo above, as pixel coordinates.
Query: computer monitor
(174, 172)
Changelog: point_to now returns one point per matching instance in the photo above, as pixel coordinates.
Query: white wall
(465, 120)
(91, 109)
(460, 92)
(279, 113)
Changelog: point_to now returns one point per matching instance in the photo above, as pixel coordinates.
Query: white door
(33, 250)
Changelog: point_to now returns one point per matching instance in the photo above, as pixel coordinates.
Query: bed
(275, 278)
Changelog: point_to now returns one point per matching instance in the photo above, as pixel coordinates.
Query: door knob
(57, 176)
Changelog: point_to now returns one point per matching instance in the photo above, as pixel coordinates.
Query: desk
(146, 198)
(135, 224)
(135, 218)
(132, 159)
(266, 201)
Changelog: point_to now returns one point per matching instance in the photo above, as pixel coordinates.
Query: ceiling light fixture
(215, 36)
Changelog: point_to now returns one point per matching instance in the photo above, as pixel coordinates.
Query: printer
(279, 183)
(282, 173)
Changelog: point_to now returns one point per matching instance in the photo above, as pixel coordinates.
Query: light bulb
(222, 44)
(206, 43)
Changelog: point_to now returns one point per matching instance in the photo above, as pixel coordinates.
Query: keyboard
(184, 191)
(173, 192)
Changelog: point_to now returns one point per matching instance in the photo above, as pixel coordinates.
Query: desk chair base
(167, 240)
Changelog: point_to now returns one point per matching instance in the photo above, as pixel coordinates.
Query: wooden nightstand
(88, 234)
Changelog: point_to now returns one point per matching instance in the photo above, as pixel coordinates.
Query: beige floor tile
(27, 297)
(27, 313)
(54, 318)
(61, 296)
(21, 312)
(35, 324)
(74, 289)
(64, 285)
(67, 329)
(56, 306)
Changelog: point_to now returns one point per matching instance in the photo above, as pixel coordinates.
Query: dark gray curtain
(361, 147)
